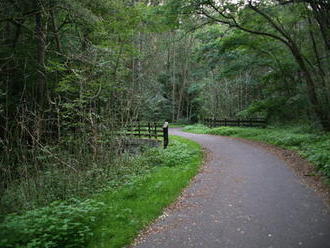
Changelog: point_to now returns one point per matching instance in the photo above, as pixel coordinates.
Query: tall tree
(268, 19)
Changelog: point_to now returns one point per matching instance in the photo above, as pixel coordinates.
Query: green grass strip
(138, 203)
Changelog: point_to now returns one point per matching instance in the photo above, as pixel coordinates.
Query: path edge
(207, 155)
(301, 167)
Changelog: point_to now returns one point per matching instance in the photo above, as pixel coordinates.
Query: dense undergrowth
(311, 144)
(66, 170)
(112, 217)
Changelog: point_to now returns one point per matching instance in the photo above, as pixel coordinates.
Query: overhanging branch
(231, 22)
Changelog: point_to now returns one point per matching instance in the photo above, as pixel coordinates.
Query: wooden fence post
(139, 128)
(149, 130)
(155, 130)
(165, 134)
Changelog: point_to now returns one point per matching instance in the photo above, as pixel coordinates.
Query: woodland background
(70, 71)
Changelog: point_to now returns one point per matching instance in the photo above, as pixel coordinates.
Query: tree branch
(270, 21)
(235, 24)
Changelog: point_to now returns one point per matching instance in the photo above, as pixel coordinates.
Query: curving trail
(244, 197)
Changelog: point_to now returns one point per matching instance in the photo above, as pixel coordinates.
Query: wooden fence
(150, 130)
(252, 122)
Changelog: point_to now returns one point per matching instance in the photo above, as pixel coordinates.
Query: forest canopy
(73, 71)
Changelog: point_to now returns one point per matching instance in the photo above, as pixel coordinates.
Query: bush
(198, 128)
(226, 131)
(178, 153)
(319, 154)
(58, 225)
(57, 182)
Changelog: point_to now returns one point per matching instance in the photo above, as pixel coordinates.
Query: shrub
(58, 225)
(178, 153)
(198, 128)
(226, 131)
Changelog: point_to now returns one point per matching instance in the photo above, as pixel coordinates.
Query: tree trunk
(173, 86)
(40, 86)
(316, 105)
(55, 31)
(322, 16)
(40, 57)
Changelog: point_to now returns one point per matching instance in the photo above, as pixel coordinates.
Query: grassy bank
(311, 144)
(113, 217)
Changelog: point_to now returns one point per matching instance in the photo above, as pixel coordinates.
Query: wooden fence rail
(252, 122)
(150, 130)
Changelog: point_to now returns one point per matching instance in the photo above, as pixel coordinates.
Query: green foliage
(77, 177)
(197, 128)
(249, 65)
(177, 154)
(135, 195)
(157, 108)
(228, 131)
(268, 108)
(319, 154)
(142, 199)
(105, 61)
(57, 225)
(313, 145)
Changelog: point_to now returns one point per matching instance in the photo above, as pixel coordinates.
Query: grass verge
(177, 125)
(139, 202)
(115, 216)
(312, 145)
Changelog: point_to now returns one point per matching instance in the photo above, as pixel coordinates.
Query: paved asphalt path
(245, 197)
